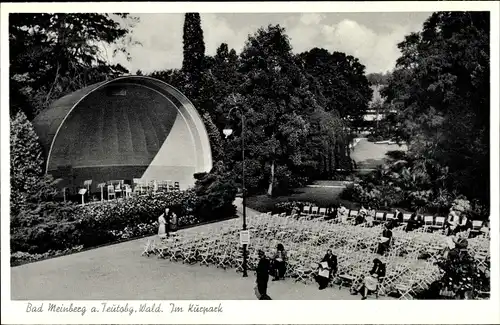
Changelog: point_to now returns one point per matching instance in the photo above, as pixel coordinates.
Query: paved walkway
(119, 272)
(368, 154)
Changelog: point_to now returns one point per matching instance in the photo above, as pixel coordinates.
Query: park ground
(367, 155)
(119, 272)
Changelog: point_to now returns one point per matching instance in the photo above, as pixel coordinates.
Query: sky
(371, 37)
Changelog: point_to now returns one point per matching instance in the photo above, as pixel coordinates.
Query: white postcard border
(304, 312)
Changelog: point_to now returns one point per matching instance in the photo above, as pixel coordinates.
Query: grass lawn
(322, 196)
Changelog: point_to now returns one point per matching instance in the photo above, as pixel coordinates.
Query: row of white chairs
(429, 222)
(118, 188)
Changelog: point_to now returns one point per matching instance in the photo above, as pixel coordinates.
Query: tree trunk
(336, 155)
(330, 167)
(271, 181)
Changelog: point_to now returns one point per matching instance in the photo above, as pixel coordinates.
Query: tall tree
(174, 77)
(378, 79)
(441, 84)
(53, 54)
(220, 80)
(26, 160)
(346, 93)
(194, 55)
(276, 98)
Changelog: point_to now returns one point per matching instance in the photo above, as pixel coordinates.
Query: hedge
(52, 228)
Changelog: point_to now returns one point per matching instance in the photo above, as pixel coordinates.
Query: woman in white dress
(162, 224)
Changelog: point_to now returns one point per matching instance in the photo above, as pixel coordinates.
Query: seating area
(307, 240)
(427, 223)
(116, 189)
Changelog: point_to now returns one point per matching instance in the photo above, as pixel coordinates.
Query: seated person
(360, 218)
(332, 262)
(449, 245)
(457, 222)
(279, 263)
(485, 228)
(452, 221)
(370, 217)
(371, 281)
(323, 276)
(328, 263)
(343, 214)
(463, 222)
(412, 223)
(399, 216)
(385, 240)
(395, 221)
(331, 213)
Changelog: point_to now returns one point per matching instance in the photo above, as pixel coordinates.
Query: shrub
(348, 193)
(396, 154)
(462, 276)
(215, 193)
(371, 138)
(365, 195)
(23, 257)
(55, 226)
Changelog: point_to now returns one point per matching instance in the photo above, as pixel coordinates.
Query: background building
(121, 129)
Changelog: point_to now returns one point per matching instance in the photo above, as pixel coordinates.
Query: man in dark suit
(263, 275)
(331, 261)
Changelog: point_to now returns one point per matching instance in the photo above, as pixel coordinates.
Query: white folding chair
(101, 188)
(111, 192)
(118, 188)
(150, 247)
(379, 217)
(476, 226)
(439, 223)
(128, 191)
(428, 222)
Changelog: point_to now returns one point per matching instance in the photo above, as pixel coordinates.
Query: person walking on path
(262, 276)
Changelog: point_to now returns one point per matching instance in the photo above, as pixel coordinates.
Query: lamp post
(227, 132)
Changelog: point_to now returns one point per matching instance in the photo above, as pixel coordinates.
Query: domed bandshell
(131, 127)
